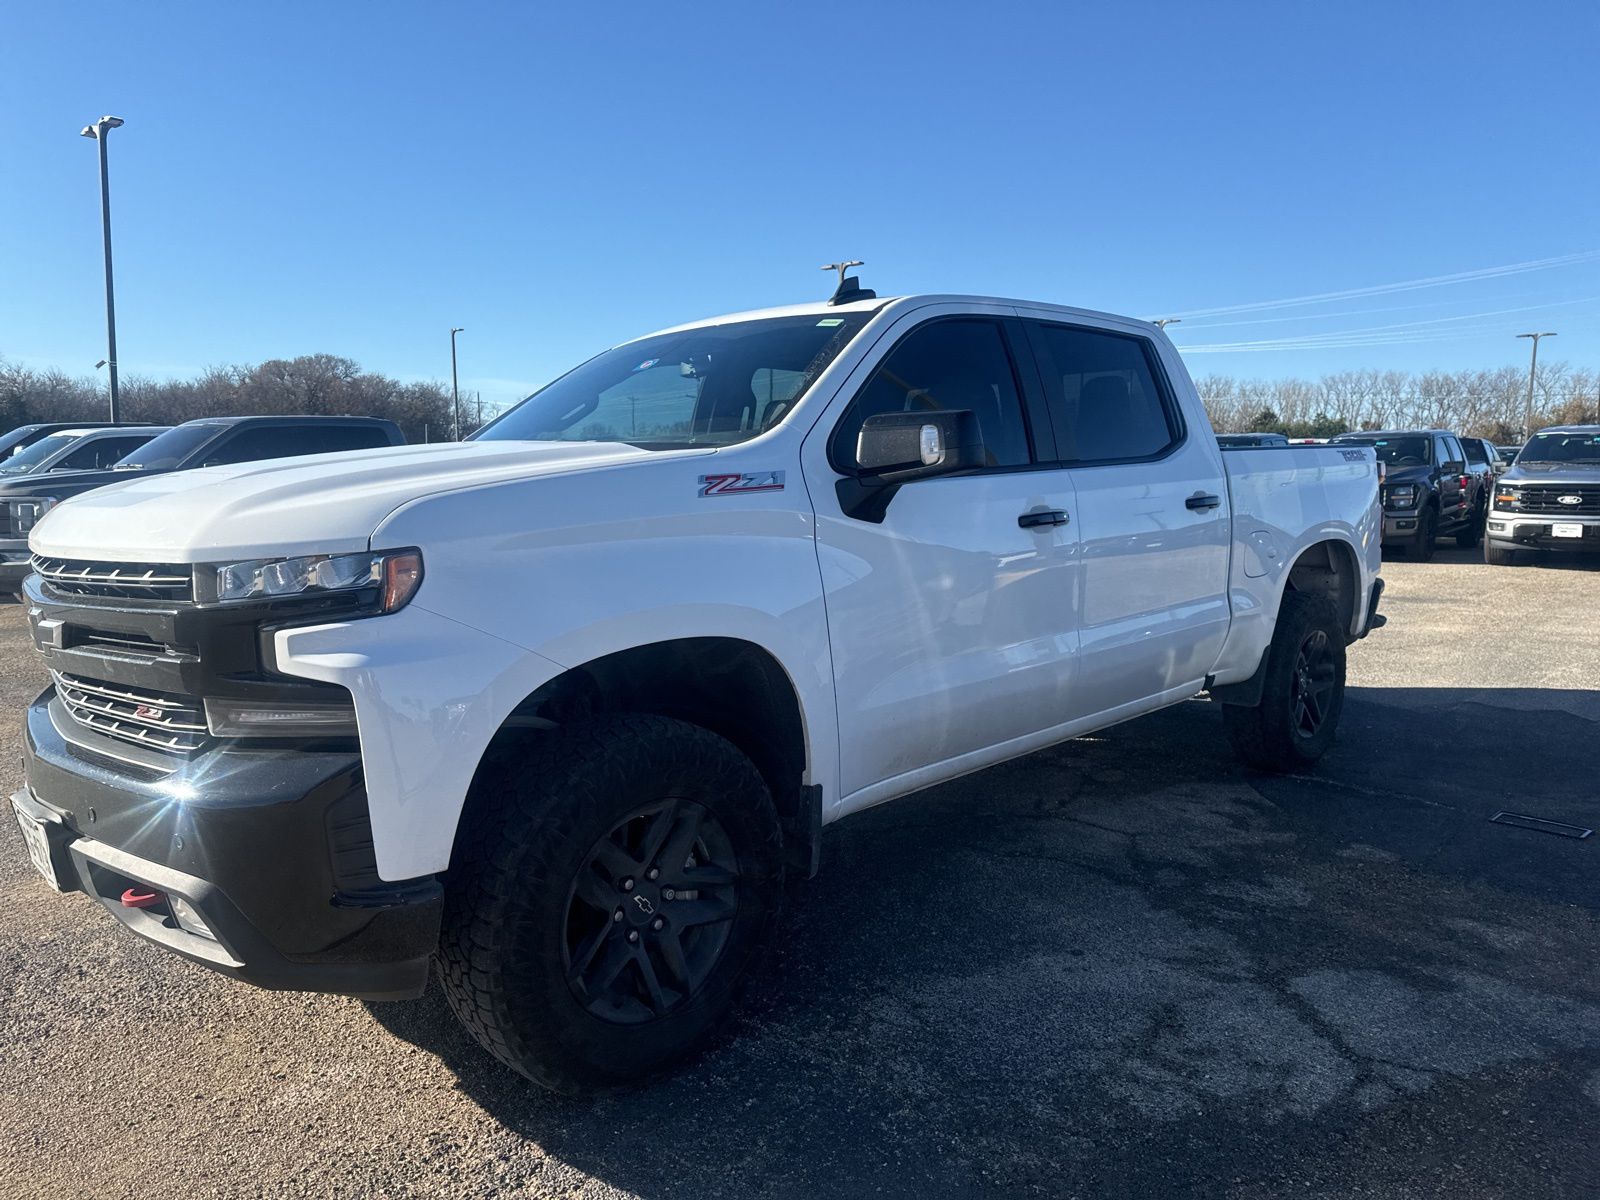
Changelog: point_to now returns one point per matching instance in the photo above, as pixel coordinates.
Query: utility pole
(455, 388)
(98, 131)
(1533, 365)
(1163, 322)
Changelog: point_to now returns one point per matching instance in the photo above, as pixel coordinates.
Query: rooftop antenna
(849, 285)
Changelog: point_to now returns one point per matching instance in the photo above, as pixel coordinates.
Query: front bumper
(14, 564)
(1399, 526)
(1514, 530)
(271, 847)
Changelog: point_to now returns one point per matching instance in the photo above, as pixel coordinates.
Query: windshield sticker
(829, 322)
(731, 485)
(647, 364)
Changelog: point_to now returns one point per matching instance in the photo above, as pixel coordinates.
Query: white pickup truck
(557, 709)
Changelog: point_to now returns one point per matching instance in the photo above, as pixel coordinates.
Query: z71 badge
(735, 485)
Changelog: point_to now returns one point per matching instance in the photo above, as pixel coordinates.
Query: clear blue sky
(356, 178)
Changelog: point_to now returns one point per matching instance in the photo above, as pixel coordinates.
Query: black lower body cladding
(271, 847)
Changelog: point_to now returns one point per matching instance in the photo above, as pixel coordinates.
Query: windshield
(710, 386)
(167, 450)
(1562, 448)
(27, 459)
(11, 441)
(1395, 452)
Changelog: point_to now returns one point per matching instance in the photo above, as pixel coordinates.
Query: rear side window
(1105, 404)
(290, 441)
(946, 365)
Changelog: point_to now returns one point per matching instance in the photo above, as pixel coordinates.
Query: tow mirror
(894, 449)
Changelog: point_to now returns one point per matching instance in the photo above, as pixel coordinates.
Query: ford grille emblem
(1571, 499)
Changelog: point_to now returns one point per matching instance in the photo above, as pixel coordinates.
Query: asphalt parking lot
(1122, 967)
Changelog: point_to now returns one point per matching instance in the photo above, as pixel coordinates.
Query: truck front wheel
(1302, 697)
(609, 890)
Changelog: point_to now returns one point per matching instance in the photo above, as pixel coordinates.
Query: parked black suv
(1428, 490)
(208, 442)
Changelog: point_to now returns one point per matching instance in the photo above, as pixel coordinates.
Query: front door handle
(1034, 520)
(1202, 500)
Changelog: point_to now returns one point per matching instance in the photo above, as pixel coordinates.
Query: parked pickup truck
(25, 498)
(1550, 500)
(560, 707)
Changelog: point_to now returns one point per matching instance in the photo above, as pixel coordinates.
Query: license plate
(37, 840)
(1566, 530)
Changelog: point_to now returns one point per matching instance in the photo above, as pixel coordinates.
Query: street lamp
(1163, 322)
(1527, 416)
(455, 389)
(98, 131)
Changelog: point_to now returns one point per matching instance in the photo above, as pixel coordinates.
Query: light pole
(455, 388)
(1527, 415)
(1163, 322)
(98, 131)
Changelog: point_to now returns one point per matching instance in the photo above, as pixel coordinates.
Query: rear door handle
(1034, 520)
(1202, 500)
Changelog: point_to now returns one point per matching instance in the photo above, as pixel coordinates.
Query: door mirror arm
(894, 449)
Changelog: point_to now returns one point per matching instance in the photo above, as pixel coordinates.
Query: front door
(951, 624)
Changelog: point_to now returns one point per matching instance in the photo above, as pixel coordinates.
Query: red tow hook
(136, 898)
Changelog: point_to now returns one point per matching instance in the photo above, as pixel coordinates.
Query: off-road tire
(1265, 735)
(1495, 556)
(531, 820)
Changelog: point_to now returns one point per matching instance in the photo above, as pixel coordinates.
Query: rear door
(1153, 519)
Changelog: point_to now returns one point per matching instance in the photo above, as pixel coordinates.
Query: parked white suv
(560, 707)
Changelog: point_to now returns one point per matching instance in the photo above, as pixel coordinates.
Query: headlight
(393, 576)
(1403, 495)
(25, 514)
(1508, 497)
(256, 718)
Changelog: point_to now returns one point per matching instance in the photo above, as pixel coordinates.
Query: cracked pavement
(1123, 966)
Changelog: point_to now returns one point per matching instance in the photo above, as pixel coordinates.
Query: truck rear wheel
(609, 890)
(1302, 698)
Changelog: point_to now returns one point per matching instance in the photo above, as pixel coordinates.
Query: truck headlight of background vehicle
(25, 514)
(1401, 495)
(393, 577)
(1507, 497)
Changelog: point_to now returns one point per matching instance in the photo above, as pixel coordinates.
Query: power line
(1408, 285)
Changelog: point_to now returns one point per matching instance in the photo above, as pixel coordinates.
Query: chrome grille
(162, 722)
(139, 581)
(1548, 500)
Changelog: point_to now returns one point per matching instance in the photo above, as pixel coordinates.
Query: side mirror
(894, 449)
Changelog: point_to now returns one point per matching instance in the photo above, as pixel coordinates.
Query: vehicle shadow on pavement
(1129, 966)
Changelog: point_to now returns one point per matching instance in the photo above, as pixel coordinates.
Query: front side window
(709, 386)
(97, 454)
(1105, 403)
(947, 365)
(1474, 449)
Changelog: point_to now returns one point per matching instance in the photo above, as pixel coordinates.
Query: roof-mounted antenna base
(849, 289)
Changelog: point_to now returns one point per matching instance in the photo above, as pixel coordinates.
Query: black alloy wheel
(1311, 688)
(649, 913)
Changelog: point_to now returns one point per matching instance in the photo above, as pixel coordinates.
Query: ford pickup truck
(555, 711)
(1548, 502)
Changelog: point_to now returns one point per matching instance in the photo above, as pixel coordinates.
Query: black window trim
(1158, 373)
(1029, 398)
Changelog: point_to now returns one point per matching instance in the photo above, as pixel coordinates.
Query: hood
(63, 483)
(1552, 472)
(321, 503)
(1394, 475)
